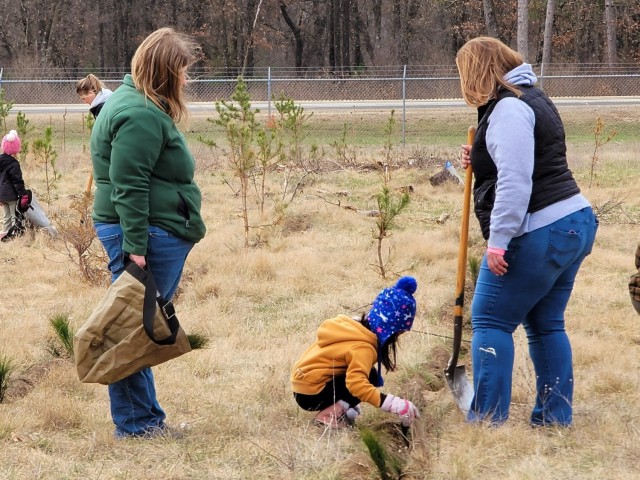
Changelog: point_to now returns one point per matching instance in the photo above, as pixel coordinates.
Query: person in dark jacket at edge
(12, 189)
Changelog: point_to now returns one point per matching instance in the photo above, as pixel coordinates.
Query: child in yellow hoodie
(338, 371)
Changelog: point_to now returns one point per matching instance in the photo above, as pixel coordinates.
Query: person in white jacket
(92, 91)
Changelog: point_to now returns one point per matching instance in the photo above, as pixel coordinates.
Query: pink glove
(24, 203)
(401, 407)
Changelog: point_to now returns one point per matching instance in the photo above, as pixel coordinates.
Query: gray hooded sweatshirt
(513, 119)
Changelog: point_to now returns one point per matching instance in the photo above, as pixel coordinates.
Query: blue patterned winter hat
(392, 312)
(393, 309)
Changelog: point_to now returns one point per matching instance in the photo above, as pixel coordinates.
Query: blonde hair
(156, 69)
(89, 84)
(482, 64)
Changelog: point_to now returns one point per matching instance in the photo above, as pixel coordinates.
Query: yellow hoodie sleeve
(360, 360)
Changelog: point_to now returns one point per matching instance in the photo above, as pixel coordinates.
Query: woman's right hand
(465, 160)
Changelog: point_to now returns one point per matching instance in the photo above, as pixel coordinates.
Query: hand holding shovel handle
(455, 374)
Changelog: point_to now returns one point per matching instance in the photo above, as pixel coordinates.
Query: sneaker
(161, 431)
(333, 416)
(353, 413)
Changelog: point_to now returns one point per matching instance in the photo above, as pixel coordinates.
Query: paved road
(202, 108)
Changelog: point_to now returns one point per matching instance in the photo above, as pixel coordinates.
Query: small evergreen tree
(5, 108)
(238, 120)
(389, 207)
(47, 155)
(24, 130)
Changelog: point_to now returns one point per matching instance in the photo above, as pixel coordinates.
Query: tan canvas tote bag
(131, 328)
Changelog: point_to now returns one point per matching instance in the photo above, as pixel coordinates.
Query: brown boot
(332, 416)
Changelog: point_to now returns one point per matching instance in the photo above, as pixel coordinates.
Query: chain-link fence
(355, 106)
(381, 83)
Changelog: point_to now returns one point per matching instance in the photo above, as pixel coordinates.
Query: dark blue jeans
(534, 292)
(134, 407)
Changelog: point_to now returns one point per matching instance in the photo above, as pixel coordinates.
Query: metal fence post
(269, 91)
(404, 104)
(541, 76)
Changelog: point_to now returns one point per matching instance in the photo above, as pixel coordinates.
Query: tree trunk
(297, 36)
(315, 48)
(523, 28)
(490, 18)
(101, 39)
(377, 19)
(548, 32)
(359, 31)
(335, 54)
(345, 31)
(610, 21)
(253, 11)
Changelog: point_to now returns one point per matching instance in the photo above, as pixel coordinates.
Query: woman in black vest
(538, 226)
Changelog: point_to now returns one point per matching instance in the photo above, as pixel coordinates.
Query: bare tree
(490, 18)
(297, 34)
(610, 22)
(236, 34)
(548, 32)
(523, 28)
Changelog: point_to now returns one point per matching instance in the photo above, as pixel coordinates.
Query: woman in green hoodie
(147, 205)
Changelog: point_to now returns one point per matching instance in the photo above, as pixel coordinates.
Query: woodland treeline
(340, 35)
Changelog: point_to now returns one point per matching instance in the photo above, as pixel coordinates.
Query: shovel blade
(461, 388)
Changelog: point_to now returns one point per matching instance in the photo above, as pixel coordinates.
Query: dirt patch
(20, 385)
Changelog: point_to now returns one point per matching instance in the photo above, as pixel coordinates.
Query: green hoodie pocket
(183, 210)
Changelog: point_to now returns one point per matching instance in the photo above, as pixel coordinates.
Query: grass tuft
(6, 369)
(62, 346)
(198, 340)
(388, 467)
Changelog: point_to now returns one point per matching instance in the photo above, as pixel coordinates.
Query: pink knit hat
(11, 143)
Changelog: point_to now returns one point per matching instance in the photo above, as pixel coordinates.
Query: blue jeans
(134, 407)
(534, 292)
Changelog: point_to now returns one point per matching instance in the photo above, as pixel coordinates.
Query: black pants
(333, 391)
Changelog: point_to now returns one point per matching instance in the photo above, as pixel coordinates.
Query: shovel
(455, 374)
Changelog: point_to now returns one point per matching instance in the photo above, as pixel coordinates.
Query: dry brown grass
(261, 307)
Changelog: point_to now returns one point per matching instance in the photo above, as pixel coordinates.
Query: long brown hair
(483, 63)
(388, 350)
(89, 84)
(156, 69)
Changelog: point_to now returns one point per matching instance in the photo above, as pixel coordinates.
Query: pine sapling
(388, 467)
(600, 141)
(238, 120)
(389, 207)
(46, 155)
(5, 108)
(292, 122)
(24, 130)
(63, 336)
(389, 132)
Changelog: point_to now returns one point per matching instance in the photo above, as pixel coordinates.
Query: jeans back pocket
(563, 247)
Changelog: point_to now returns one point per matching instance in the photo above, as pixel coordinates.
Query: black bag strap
(151, 300)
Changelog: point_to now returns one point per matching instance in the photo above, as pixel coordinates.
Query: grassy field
(261, 307)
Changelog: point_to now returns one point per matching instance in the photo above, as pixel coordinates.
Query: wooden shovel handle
(462, 264)
(89, 183)
(464, 231)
